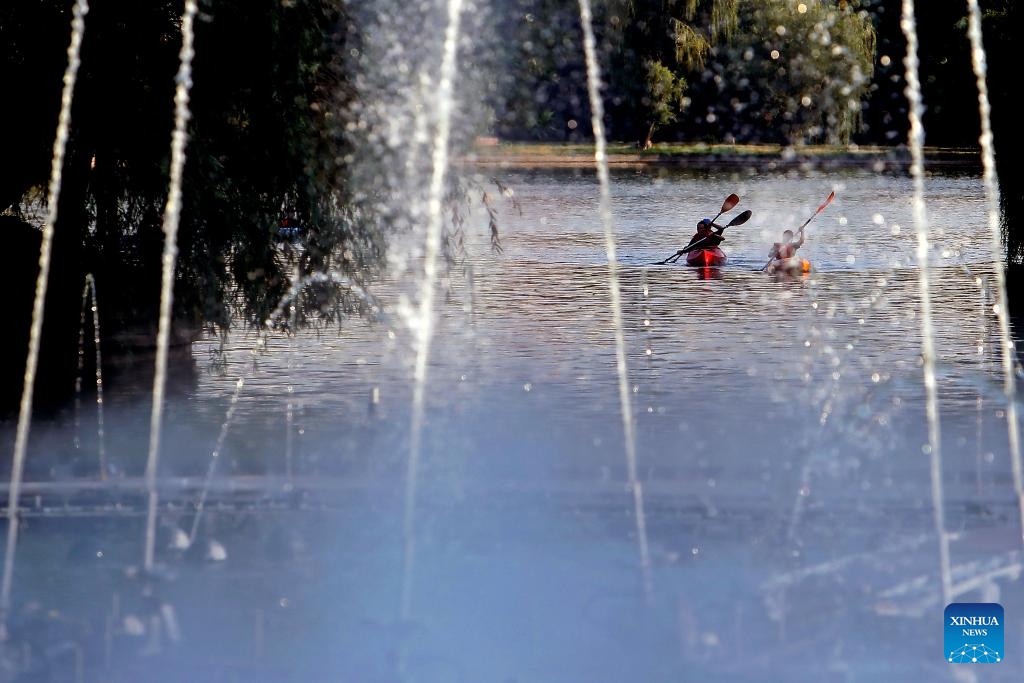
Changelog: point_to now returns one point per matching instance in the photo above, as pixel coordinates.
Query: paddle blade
(730, 201)
(831, 196)
(740, 220)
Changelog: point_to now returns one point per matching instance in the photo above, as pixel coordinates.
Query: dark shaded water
(779, 430)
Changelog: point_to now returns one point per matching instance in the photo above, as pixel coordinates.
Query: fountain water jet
(89, 293)
(214, 458)
(426, 308)
(600, 156)
(290, 412)
(25, 412)
(172, 216)
(934, 446)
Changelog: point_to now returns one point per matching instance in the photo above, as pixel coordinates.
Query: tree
(276, 132)
(654, 47)
(542, 93)
(792, 74)
(999, 29)
(263, 139)
(664, 98)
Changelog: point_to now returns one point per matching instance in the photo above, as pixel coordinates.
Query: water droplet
(133, 626)
(216, 552)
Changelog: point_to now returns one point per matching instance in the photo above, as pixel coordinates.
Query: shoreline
(489, 152)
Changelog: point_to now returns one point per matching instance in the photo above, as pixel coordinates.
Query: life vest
(785, 251)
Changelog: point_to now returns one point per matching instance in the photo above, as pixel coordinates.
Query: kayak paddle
(831, 196)
(730, 201)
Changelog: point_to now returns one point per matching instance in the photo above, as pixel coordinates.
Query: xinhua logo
(974, 632)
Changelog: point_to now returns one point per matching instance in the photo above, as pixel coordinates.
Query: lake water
(780, 433)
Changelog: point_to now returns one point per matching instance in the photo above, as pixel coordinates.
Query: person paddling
(781, 255)
(709, 232)
(708, 236)
(786, 249)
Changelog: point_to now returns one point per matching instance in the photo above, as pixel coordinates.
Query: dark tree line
(727, 69)
(272, 81)
(261, 144)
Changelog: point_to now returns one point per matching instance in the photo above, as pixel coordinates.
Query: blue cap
(705, 220)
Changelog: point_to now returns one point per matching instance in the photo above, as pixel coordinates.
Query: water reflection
(708, 273)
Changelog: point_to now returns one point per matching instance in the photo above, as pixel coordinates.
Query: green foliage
(678, 35)
(665, 93)
(691, 46)
(541, 71)
(1000, 30)
(264, 143)
(797, 73)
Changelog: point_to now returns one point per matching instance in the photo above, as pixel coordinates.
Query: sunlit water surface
(780, 431)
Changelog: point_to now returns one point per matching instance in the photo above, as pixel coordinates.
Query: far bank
(757, 158)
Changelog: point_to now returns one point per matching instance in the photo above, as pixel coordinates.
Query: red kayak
(705, 257)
